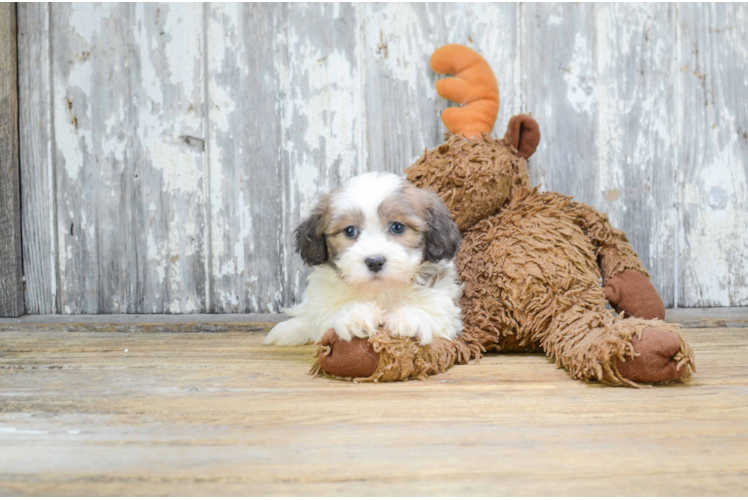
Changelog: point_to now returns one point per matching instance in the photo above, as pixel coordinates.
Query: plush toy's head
(474, 174)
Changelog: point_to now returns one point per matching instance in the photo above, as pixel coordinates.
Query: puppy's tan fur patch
(337, 241)
(406, 207)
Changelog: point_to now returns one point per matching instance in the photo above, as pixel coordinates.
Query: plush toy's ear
(310, 237)
(524, 134)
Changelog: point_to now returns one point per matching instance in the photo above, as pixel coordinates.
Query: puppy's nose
(375, 263)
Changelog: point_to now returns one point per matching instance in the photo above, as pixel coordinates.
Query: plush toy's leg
(385, 358)
(614, 252)
(631, 293)
(593, 345)
(662, 356)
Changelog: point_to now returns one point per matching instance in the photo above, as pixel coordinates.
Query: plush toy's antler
(473, 87)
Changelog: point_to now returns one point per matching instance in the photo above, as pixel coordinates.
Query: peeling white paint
(155, 257)
(322, 104)
(334, 67)
(608, 142)
(394, 37)
(73, 142)
(712, 156)
(85, 18)
(718, 240)
(184, 26)
(221, 39)
(580, 77)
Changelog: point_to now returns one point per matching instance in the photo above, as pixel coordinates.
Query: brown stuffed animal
(538, 268)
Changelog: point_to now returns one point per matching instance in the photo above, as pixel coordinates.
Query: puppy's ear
(443, 238)
(310, 237)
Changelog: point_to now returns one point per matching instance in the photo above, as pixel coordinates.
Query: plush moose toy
(538, 268)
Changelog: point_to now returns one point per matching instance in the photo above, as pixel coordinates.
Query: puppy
(383, 252)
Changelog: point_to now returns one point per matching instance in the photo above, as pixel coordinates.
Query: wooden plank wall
(11, 267)
(168, 151)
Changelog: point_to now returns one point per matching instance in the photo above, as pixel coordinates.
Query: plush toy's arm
(625, 279)
(614, 252)
(386, 358)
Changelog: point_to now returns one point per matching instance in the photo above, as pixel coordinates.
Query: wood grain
(218, 413)
(599, 80)
(129, 157)
(169, 151)
(37, 168)
(713, 158)
(246, 177)
(94, 212)
(560, 87)
(11, 253)
(403, 110)
(321, 80)
(731, 317)
(637, 135)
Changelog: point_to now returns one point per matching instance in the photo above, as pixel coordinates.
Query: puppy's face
(377, 230)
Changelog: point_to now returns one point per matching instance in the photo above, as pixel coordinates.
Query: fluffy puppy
(383, 252)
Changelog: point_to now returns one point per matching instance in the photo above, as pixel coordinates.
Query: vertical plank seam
(363, 153)
(676, 149)
(601, 49)
(51, 168)
(282, 57)
(131, 293)
(283, 158)
(519, 79)
(18, 162)
(207, 206)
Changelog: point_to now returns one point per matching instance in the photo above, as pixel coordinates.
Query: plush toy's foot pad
(656, 361)
(356, 358)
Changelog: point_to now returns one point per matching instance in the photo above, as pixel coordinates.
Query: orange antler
(473, 87)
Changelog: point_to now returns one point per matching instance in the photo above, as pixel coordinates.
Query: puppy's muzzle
(375, 263)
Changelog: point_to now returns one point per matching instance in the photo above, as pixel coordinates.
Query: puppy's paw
(358, 320)
(410, 322)
(294, 331)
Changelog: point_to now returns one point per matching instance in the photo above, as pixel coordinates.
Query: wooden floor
(169, 413)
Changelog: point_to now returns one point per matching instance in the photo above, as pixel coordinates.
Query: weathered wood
(246, 178)
(129, 157)
(275, 75)
(216, 414)
(11, 252)
(402, 108)
(168, 151)
(321, 80)
(37, 167)
(560, 86)
(712, 317)
(92, 161)
(719, 317)
(168, 89)
(637, 135)
(148, 323)
(712, 112)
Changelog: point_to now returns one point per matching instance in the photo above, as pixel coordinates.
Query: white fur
(356, 302)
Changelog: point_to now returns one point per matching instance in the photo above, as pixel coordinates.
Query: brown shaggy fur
(533, 265)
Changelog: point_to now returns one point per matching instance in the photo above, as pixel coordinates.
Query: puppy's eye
(397, 228)
(350, 231)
